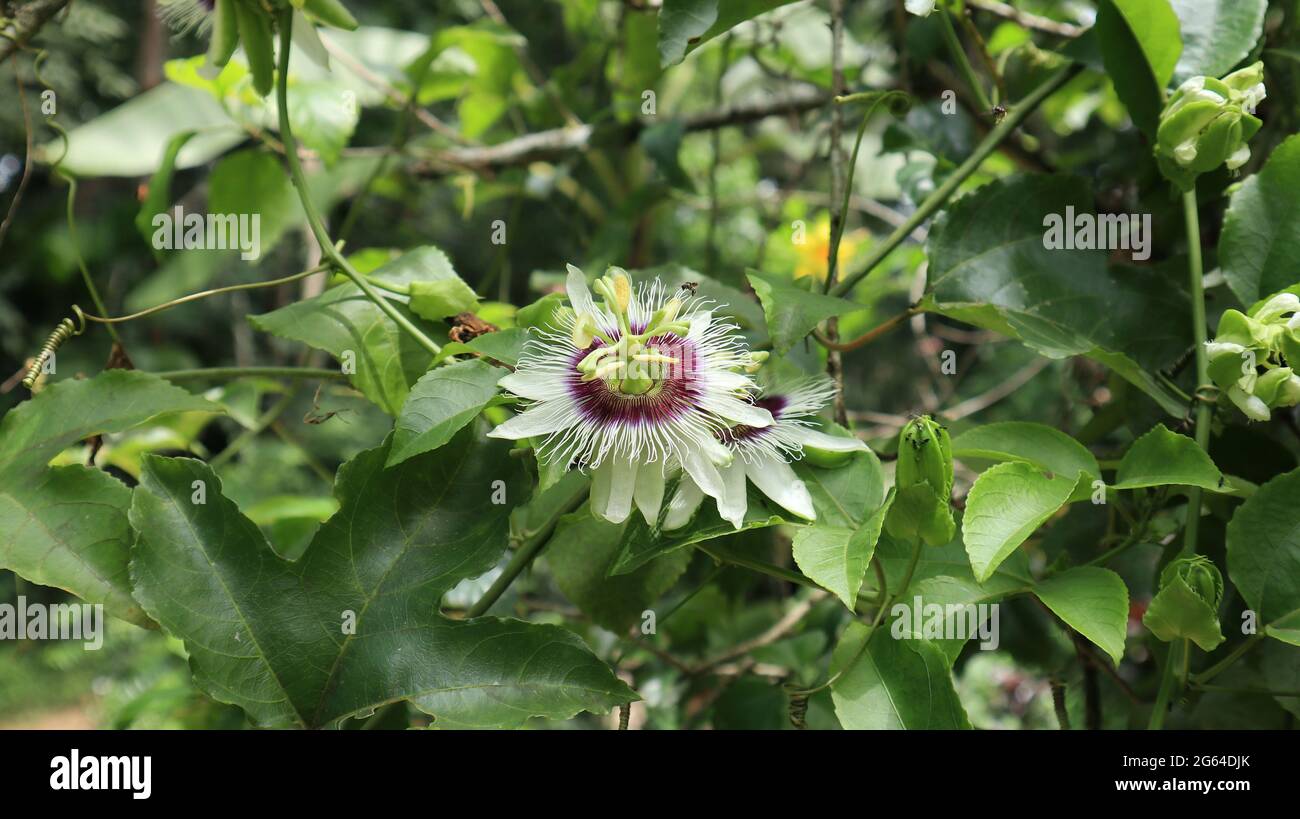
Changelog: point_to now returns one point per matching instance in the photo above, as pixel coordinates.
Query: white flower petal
(612, 486)
(830, 443)
(733, 501)
(733, 409)
(537, 385)
(540, 420)
(682, 507)
(703, 472)
(579, 296)
(649, 492)
(779, 482)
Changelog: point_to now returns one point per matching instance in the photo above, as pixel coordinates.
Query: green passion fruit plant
(548, 484)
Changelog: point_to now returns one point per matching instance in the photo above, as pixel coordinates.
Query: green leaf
(1264, 552)
(1045, 447)
(685, 25)
(1178, 612)
(354, 623)
(1006, 505)
(661, 143)
(66, 527)
(642, 543)
(345, 323)
(949, 560)
(1092, 601)
(440, 404)
(439, 299)
(1260, 247)
(1162, 458)
(845, 496)
(989, 266)
(964, 611)
(130, 139)
(323, 116)
(580, 554)
(500, 345)
(792, 312)
(837, 558)
(159, 194)
(1217, 34)
(254, 182)
(893, 684)
(1140, 42)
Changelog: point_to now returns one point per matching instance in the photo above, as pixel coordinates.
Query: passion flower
(634, 388)
(762, 456)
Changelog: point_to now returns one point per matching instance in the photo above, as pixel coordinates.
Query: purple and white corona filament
(634, 388)
(762, 456)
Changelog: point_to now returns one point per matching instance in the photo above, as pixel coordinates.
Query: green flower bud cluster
(1207, 123)
(250, 22)
(923, 484)
(1187, 604)
(1252, 356)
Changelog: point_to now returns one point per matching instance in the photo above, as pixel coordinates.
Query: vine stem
(963, 62)
(285, 21)
(1172, 661)
(941, 194)
(532, 545)
(203, 294)
(1202, 417)
(76, 251)
(251, 372)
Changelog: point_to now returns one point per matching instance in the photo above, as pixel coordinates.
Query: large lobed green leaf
(67, 526)
(989, 267)
(271, 636)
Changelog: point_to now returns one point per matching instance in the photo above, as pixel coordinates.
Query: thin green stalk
(759, 566)
(76, 251)
(219, 373)
(259, 426)
(963, 63)
(309, 207)
(524, 555)
(898, 103)
(1167, 681)
(1202, 417)
(1223, 665)
(203, 294)
(936, 200)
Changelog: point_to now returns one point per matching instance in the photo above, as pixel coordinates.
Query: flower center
(652, 382)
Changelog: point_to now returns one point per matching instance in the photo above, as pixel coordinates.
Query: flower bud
(1201, 576)
(1207, 123)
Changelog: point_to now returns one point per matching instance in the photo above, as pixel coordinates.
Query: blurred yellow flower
(813, 252)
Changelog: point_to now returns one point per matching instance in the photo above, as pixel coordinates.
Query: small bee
(999, 114)
(690, 287)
